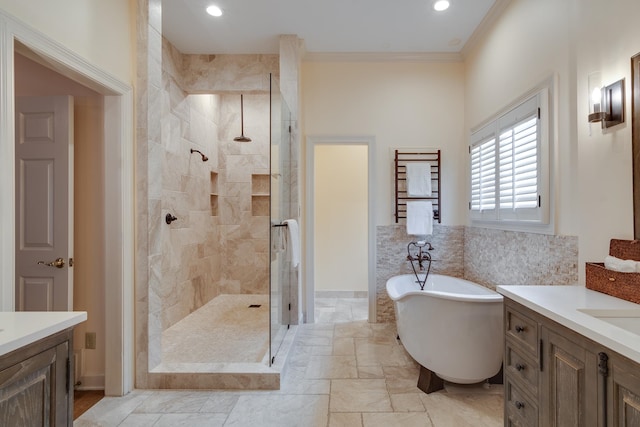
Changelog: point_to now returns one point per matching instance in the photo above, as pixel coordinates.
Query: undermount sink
(627, 319)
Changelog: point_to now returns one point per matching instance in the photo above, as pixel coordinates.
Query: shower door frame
(282, 176)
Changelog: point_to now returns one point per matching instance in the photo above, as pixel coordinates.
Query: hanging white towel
(278, 239)
(418, 179)
(419, 218)
(293, 241)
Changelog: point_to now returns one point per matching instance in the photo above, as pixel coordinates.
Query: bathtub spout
(421, 257)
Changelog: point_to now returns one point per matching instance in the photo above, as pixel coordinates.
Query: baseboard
(91, 382)
(342, 294)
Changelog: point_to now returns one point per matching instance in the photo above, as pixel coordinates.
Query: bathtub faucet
(420, 256)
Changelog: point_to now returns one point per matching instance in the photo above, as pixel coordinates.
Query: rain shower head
(204, 158)
(241, 138)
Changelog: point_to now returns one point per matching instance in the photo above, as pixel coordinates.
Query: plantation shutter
(483, 175)
(508, 165)
(518, 163)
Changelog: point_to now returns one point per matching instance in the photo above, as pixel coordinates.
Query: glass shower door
(280, 266)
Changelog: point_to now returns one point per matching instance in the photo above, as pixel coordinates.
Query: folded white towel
(621, 265)
(418, 179)
(419, 218)
(293, 240)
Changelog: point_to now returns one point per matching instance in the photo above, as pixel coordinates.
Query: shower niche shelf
(260, 184)
(213, 195)
(260, 194)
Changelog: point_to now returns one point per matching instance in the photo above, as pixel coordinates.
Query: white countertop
(18, 329)
(562, 304)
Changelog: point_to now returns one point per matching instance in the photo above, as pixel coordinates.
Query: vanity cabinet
(623, 392)
(569, 392)
(36, 383)
(557, 377)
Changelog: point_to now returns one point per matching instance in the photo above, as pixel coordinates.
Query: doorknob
(58, 262)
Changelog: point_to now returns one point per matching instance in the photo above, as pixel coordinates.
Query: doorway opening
(115, 159)
(340, 230)
(82, 227)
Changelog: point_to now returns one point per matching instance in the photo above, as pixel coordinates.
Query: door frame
(312, 142)
(118, 158)
(635, 140)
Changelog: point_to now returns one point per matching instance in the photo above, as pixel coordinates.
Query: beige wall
(89, 238)
(568, 40)
(99, 31)
(341, 229)
(605, 202)
(401, 104)
(514, 57)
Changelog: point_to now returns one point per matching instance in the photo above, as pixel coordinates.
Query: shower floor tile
(224, 330)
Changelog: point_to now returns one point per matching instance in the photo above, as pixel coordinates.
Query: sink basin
(627, 319)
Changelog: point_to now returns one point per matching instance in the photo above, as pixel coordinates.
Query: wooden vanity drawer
(521, 369)
(520, 410)
(522, 330)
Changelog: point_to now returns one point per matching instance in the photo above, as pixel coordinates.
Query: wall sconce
(606, 104)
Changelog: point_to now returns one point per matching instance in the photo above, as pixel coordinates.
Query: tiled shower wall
(220, 242)
(485, 256)
(243, 183)
(190, 260)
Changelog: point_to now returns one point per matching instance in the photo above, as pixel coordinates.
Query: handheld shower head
(204, 158)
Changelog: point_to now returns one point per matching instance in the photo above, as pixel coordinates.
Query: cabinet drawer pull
(519, 328)
(520, 366)
(518, 404)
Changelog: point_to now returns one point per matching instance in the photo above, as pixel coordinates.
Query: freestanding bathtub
(453, 327)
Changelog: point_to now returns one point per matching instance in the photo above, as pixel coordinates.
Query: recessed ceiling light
(214, 10)
(441, 5)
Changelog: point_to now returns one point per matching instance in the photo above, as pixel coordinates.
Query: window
(509, 167)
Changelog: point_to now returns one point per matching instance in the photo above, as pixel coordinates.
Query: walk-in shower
(223, 297)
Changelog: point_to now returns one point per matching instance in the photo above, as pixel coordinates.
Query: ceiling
(326, 26)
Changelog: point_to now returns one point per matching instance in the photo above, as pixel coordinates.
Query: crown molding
(382, 57)
(487, 22)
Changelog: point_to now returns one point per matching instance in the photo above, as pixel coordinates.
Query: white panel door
(44, 203)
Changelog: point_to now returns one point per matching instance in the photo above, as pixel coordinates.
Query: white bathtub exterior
(453, 327)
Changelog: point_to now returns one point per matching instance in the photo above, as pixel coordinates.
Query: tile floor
(343, 372)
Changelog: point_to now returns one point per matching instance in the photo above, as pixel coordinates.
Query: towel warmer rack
(401, 159)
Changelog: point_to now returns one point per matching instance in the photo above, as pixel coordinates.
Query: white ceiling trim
(381, 57)
(483, 28)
